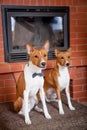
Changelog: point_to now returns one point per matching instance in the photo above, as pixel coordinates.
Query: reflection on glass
(13, 23)
(36, 30)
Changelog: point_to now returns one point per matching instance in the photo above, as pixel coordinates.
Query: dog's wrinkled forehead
(64, 55)
(41, 52)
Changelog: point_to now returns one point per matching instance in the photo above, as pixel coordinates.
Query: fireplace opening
(34, 25)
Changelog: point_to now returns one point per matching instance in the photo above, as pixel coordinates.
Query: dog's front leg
(25, 108)
(61, 111)
(68, 98)
(42, 96)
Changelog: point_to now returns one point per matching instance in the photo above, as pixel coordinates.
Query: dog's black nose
(67, 64)
(43, 64)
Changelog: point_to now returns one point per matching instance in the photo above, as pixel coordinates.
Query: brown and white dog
(58, 79)
(31, 82)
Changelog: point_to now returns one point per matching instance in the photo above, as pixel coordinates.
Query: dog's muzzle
(67, 64)
(43, 64)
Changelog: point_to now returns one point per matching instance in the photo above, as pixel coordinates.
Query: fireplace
(34, 24)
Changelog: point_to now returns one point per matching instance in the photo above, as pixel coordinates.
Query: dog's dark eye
(62, 57)
(36, 56)
(45, 55)
(69, 57)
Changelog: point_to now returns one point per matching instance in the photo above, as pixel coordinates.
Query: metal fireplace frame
(8, 10)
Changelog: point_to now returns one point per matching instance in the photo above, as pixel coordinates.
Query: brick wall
(78, 42)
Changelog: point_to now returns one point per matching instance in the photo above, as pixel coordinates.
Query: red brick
(78, 75)
(80, 94)
(78, 15)
(74, 47)
(8, 2)
(2, 98)
(82, 8)
(1, 45)
(40, 2)
(33, 2)
(7, 90)
(84, 87)
(51, 63)
(78, 28)
(84, 73)
(76, 62)
(1, 59)
(1, 1)
(73, 22)
(9, 83)
(81, 69)
(46, 2)
(1, 52)
(15, 67)
(70, 2)
(4, 68)
(81, 22)
(75, 2)
(51, 3)
(79, 81)
(1, 39)
(10, 97)
(79, 54)
(73, 9)
(58, 2)
(77, 88)
(63, 2)
(82, 35)
(82, 2)
(84, 61)
(20, 2)
(26, 2)
(84, 99)
(73, 35)
(6, 76)
(82, 47)
(78, 41)
(2, 83)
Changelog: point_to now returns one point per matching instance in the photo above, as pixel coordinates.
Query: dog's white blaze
(33, 84)
(63, 77)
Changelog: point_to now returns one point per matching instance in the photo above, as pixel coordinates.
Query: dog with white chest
(31, 82)
(58, 79)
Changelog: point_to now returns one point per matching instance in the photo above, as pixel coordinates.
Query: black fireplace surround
(34, 24)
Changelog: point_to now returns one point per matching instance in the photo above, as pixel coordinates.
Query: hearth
(34, 24)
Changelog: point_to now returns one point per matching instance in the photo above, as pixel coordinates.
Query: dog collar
(37, 74)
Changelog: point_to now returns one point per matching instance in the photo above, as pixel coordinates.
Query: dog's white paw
(38, 109)
(20, 113)
(48, 116)
(61, 112)
(72, 108)
(27, 121)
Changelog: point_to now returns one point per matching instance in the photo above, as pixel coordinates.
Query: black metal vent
(51, 55)
(18, 57)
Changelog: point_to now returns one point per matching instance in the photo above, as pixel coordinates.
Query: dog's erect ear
(29, 48)
(69, 50)
(57, 51)
(46, 45)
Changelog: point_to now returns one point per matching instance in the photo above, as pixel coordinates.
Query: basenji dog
(31, 82)
(58, 79)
